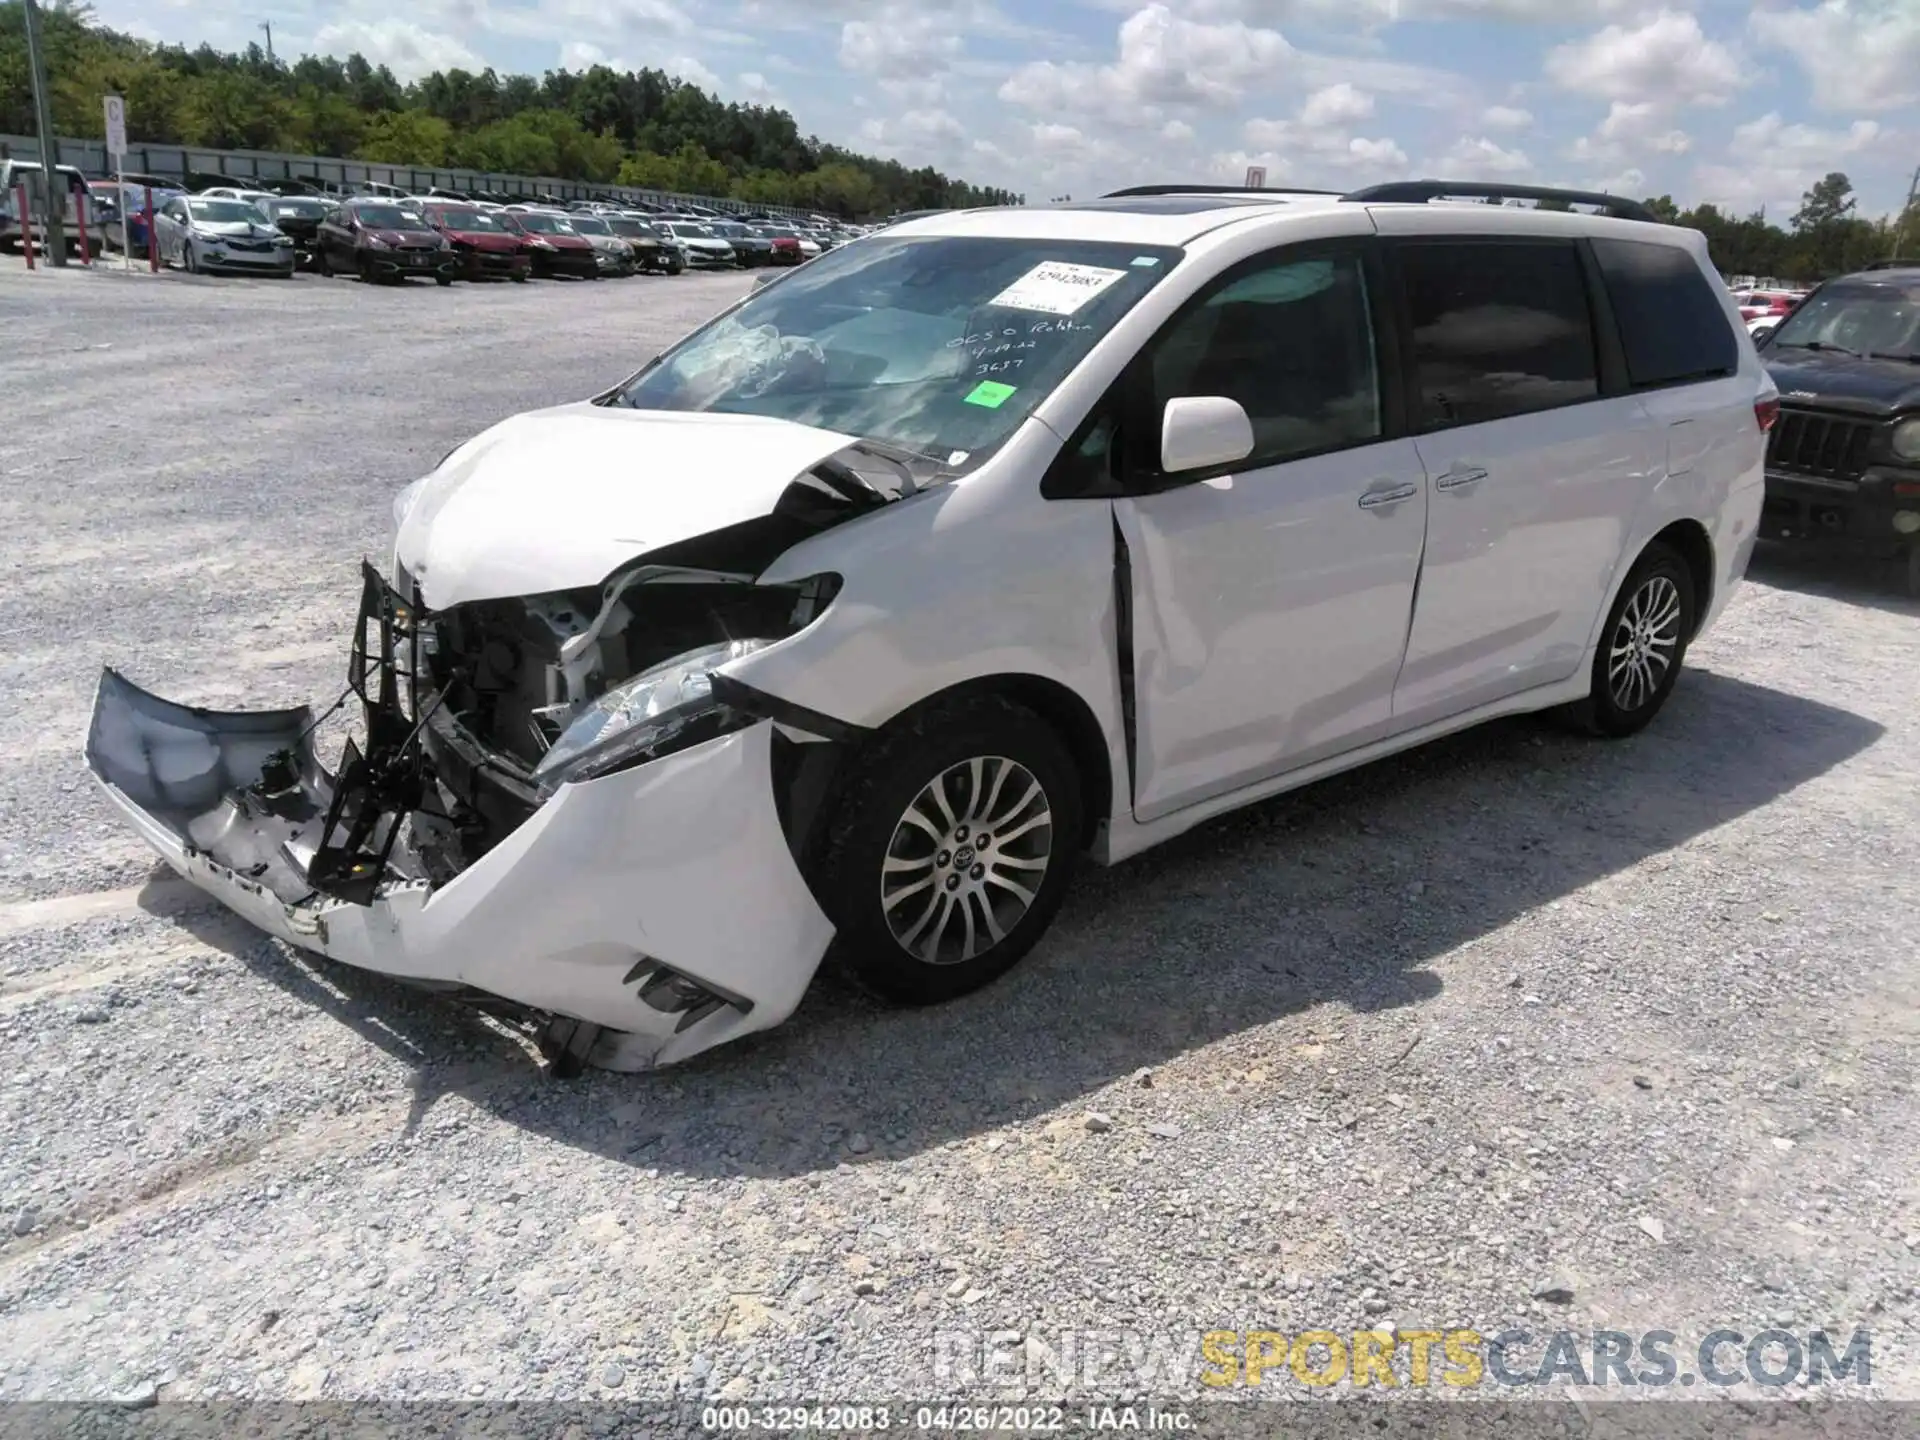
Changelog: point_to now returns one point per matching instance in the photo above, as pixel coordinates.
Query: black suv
(1843, 463)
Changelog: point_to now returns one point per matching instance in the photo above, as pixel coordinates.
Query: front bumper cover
(661, 906)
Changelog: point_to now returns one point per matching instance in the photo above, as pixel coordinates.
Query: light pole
(56, 228)
(1900, 230)
(266, 26)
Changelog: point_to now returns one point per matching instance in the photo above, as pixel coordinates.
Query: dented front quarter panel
(972, 580)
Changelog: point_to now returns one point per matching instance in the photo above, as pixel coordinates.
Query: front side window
(1292, 342)
(941, 344)
(1499, 329)
(1672, 326)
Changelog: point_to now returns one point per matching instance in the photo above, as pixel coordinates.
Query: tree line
(642, 128)
(1826, 236)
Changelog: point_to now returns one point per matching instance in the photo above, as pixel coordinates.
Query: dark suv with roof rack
(1843, 464)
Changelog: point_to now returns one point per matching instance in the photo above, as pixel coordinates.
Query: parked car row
(441, 235)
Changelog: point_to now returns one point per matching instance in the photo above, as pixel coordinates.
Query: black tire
(365, 267)
(519, 277)
(443, 280)
(320, 266)
(187, 262)
(1912, 568)
(1656, 612)
(983, 738)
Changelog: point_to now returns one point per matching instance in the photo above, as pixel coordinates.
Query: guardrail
(244, 165)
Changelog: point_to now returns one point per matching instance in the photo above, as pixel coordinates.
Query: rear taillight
(1766, 412)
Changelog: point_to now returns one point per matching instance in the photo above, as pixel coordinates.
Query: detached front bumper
(661, 903)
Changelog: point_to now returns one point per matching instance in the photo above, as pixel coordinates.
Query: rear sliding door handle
(1459, 479)
(1374, 499)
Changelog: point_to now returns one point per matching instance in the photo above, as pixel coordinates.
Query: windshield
(589, 225)
(1879, 319)
(690, 232)
(220, 212)
(388, 217)
(729, 230)
(633, 229)
(299, 209)
(943, 344)
(470, 220)
(545, 224)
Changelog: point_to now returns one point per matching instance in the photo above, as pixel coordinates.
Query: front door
(1270, 604)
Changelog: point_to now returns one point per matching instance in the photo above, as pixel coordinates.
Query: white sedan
(200, 234)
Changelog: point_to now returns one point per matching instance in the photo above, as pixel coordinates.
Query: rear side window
(1671, 324)
(1499, 329)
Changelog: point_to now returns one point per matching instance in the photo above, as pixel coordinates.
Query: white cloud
(1506, 117)
(1478, 158)
(691, 70)
(1632, 128)
(1163, 60)
(1774, 162)
(582, 55)
(898, 41)
(1667, 58)
(1340, 104)
(402, 46)
(1859, 54)
(755, 88)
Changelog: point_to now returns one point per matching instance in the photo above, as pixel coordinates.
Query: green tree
(1827, 203)
(1664, 209)
(406, 137)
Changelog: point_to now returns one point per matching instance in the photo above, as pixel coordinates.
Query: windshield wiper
(1893, 355)
(1815, 345)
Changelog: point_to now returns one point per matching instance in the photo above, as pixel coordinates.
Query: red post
(26, 223)
(153, 236)
(80, 211)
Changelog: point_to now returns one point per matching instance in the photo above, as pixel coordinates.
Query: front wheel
(951, 849)
(187, 260)
(443, 280)
(1642, 646)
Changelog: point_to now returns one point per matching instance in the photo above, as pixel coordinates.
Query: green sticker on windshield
(990, 393)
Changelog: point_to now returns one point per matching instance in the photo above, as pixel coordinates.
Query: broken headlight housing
(635, 718)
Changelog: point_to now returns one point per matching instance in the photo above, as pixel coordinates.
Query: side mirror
(1198, 432)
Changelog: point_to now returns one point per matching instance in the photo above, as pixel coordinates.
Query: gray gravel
(1523, 1029)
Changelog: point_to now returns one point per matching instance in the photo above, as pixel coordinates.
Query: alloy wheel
(1645, 639)
(967, 860)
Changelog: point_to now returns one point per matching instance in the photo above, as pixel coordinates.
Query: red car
(551, 244)
(1767, 304)
(486, 248)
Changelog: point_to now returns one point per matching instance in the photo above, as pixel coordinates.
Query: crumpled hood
(1839, 381)
(558, 499)
(611, 243)
(488, 240)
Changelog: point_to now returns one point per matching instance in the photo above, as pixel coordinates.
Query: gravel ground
(1520, 1030)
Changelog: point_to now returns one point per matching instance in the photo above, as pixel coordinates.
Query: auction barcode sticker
(1055, 287)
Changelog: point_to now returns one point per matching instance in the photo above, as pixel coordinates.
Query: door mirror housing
(1198, 432)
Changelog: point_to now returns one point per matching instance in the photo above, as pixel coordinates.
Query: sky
(1743, 103)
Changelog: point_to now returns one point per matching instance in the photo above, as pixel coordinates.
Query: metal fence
(245, 165)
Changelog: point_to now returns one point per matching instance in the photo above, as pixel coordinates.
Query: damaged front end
(554, 801)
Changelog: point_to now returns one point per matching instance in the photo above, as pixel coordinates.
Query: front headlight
(374, 242)
(636, 717)
(1906, 440)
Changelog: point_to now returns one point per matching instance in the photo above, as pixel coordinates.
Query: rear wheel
(951, 849)
(1642, 646)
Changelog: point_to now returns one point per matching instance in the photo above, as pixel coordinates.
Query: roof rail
(1419, 192)
(1135, 191)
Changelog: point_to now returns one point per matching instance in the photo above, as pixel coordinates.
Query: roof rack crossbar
(1420, 192)
(1141, 191)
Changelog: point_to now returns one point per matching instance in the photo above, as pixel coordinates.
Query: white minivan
(1003, 537)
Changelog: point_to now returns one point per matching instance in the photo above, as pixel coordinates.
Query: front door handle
(1459, 479)
(1374, 499)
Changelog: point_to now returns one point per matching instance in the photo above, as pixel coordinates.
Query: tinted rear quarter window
(1671, 325)
(1499, 329)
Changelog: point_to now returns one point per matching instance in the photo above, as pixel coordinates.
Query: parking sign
(116, 125)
